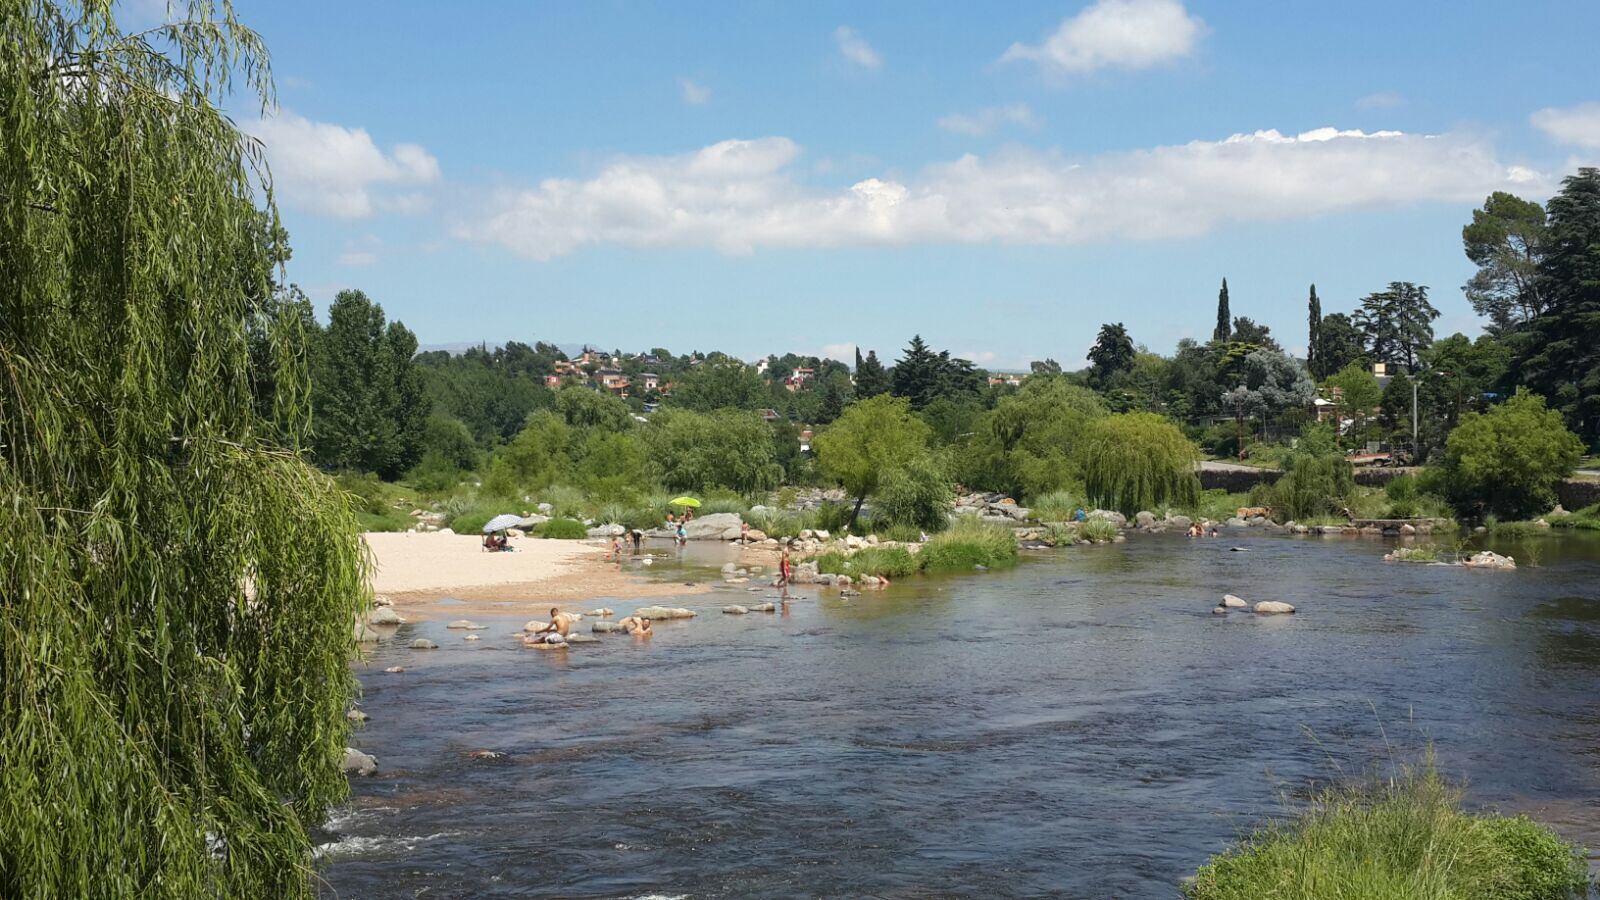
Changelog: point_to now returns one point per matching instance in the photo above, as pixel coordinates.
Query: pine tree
(870, 377)
(1224, 318)
(916, 374)
(1561, 356)
(1314, 331)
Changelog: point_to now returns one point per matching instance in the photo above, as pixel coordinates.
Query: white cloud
(986, 120)
(1116, 34)
(978, 357)
(855, 48)
(1578, 125)
(845, 353)
(1381, 100)
(741, 195)
(694, 94)
(337, 171)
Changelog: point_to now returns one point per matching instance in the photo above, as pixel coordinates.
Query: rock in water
(604, 627)
(1233, 602)
(358, 763)
(735, 610)
(365, 635)
(1488, 559)
(764, 607)
(664, 612)
(466, 624)
(582, 639)
(423, 644)
(1219, 610)
(469, 637)
(395, 670)
(601, 613)
(1273, 607)
(356, 715)
(384, 615)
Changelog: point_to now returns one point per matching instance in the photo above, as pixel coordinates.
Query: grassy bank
(1406, 839)
(962, 548)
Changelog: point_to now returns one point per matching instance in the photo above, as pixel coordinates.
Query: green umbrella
(687, 501)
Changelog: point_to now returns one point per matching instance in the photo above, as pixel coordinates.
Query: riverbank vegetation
(1406, 837)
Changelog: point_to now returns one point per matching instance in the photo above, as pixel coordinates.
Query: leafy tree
(1246, 331)
(1314, 330)
(872, 438)
(1138, 461)
(1046, 366)
(1507, 461)
(835, 396)
(177, 585)
(1460, 373)
(916, 492)
(1317, 480)
(368, 399)
(727, 448)
(951, 418)
(1394, 409)
(536, 458)
(1339, 343)
(1560, 356)
(447, 444)
(1194, 385)
(1355, 394)
(1223, 330)
(1397, 323)
(1111, 354)
(584, 408)
(1506, 241)
(1270, 384)
(492, 392)
(721, 382)
(1026, 445)
(870, 377)
(612, 466)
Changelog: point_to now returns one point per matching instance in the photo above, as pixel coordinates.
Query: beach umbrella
(687, 501)
(501, 523)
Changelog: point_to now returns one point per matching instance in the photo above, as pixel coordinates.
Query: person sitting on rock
(637, 626)
(560, 624)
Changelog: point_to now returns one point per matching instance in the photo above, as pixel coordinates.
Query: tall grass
(1056, 506)
(1101, 531)
(894, 562)
(1405, 839)
(1587, 518)
(969, 543)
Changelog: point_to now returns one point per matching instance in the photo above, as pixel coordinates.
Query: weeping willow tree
(177, 586)
(1137, 461)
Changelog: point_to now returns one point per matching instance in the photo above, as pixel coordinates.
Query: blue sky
(1002, 178)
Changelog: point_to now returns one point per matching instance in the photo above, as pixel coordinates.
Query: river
(1078, 726)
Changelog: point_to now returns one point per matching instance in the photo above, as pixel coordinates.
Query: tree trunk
(854, 513)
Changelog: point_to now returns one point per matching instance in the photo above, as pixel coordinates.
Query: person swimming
(637, 626)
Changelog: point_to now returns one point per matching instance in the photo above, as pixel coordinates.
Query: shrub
(1587, 518)
(969, 543)
(1507, 461)
(905, 534)
(1218, 504)
(832, 517)
(1135, 461)
(561, 529)
(1101, 531)
(894, 562)
(1312, 486)
(471, 522)
(917, 493)
(1407, 838)
(1056, 506)
(729, 449)
(1401, 489)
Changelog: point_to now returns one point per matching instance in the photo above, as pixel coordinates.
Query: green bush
(1218, 505)
(1401, 489)
(1587, 518)
(917, 493)
(1101, 531)
(1312, 485)
(1056, 506)
(471, 521)
(894, 562)
(905, 534)
(831, 517)
(1407, 839)
(561, 529)
(969, 543)
(1507, 461)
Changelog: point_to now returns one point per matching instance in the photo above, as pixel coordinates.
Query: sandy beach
(417, 570)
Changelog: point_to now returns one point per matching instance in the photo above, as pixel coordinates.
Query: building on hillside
(553, 382)
(612, 380)
(798, 378)
(805, 440)
(1011, 380)
(649, 380)
(771, 415)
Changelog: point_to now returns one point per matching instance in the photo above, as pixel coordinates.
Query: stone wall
(1236, 482)
(1576, 493)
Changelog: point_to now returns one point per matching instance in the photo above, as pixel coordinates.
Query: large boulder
(1232, 602)
(604, 627)
(735, 610)
(1110, 515)
(423, 644)
(1019, 513)
(1180, 523)
(712, 527)
(365, 635)
(466, 625)
(1488, 559)
(384, 615)
(528, 523)
(805, 573)
(664, 612)
(605, 531)
(1273, 607)
(358, 763)
(1145, 519)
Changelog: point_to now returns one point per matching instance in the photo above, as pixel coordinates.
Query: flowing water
(1079, 726)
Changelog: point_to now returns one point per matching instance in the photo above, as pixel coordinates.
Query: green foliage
(1355, 393)
(561, 529)
(694, 451)
(1026, 446)
(1559, 357)
(871, 379)
(491, 391)
(906, 534)
(374, 506)
(369, 410)
(969, 543)
(920, 375)
(1506, 241)
(535, 458)
(721, 382)
(1508, 460)
(612, 467)
(892, 562)
(471, 521)
(585, 408)
(833, 518)
(1217, 504)
(1101, 531)
(1397, 323)
(1405, 839)
(1401, 489)
(1111, 354)
(1136, 461)
(178, 587)
(916, 494)
(873, 438)
(1056, 506)
(1317, 481)
(1223, 331)
(1587, 518)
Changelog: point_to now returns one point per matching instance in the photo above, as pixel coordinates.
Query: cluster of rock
(1483, 559)
(1262, 608)
(807, 498)
(996, 508)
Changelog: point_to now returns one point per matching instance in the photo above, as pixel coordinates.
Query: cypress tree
(177, 586)
(1314, 333)
(1224, 319)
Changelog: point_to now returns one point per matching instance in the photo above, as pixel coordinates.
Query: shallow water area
(1080, 726)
